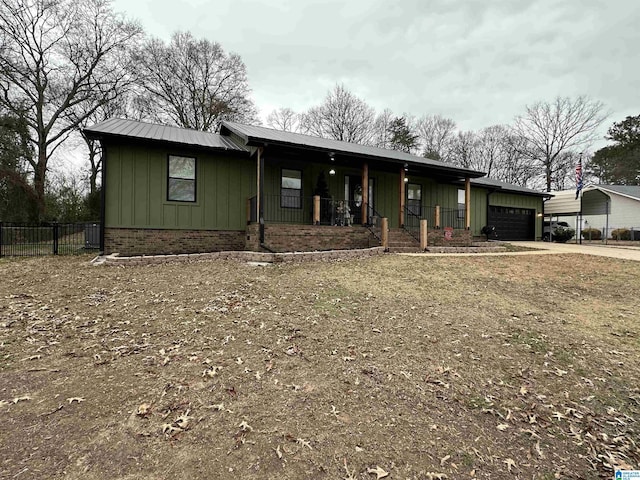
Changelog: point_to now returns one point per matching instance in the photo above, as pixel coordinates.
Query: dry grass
(422, 368)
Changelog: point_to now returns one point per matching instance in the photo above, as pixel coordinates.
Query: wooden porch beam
(402, 195)
(365, 194)
(467, 203)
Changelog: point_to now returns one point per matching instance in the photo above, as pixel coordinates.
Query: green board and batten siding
(136, 196)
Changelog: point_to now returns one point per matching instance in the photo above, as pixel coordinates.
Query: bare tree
(436, 134)
(381, 133)
(462, 149)
(284, 119)
(54, 56)
(553, 128)
(122, 106)
(342, 116)
(514, 167)
(194, 83)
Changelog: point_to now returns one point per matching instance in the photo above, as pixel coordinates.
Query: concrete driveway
(622, 252)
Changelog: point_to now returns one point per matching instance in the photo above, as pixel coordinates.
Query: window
(291, 189)
(414, 199)
(181, 182)
(461, 203)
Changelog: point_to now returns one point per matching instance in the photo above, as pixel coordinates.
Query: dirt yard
(393, 367)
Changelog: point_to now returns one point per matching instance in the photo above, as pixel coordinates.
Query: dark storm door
(353, 195)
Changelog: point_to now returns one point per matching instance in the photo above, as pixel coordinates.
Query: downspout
(103, 195)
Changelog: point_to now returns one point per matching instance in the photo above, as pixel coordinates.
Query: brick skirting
(459, 238)
(143, 241)
(309, 238)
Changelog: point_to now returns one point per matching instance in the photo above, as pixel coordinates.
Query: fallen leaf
(510, 463)
(378, 471)
(143, 409)
(75, 399)
(21, 399)
(444, 459)
(304, 443)
(183, 421)
(244, 426)
(502, 427)
(435, 476)
(169, 429)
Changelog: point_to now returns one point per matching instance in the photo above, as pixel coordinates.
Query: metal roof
(563, 203)
(632, 191)
(257, 136)
(507, 187)
(124, 128)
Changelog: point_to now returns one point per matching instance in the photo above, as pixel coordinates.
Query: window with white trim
(181, 179)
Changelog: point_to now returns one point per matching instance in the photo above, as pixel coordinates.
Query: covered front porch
(332, 201)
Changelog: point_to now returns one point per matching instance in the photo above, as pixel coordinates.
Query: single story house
(604, 207)
(173, 190)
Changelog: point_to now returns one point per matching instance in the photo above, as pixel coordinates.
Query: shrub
(563, 234)
(591, 234)
(621, 234)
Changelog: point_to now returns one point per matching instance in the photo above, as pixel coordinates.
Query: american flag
(579, 177)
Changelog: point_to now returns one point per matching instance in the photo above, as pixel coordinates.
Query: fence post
(1, 230)
(55, 238)
(384, 233)
(437, 216)
(316, 209)
(424, 232)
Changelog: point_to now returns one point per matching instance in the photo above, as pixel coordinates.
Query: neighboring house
(605, 207)
(173, 190)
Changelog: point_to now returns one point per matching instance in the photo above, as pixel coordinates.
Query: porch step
(399, 238)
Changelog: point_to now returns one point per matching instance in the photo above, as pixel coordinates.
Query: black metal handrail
(412, 223)
(374, 222)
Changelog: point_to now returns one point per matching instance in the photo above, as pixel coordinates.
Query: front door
(353, 197)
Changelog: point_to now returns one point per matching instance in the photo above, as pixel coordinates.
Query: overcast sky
(476, 62)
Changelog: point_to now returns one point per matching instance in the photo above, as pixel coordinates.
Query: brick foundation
(142, 241)
(309, 238)
(459, 238)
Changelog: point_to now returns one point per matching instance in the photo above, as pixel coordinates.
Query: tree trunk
(95, 165)
(39, 177)
(548, 176)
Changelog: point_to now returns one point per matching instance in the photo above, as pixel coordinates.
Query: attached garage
(513, 223)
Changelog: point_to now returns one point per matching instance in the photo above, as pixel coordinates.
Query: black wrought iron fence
(452, 217)
(28, 239)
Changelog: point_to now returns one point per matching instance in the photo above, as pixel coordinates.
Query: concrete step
(413, 249)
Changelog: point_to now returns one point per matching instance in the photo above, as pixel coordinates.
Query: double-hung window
(414, 199)
(291, 189)
(181, 181)
(461, 203)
